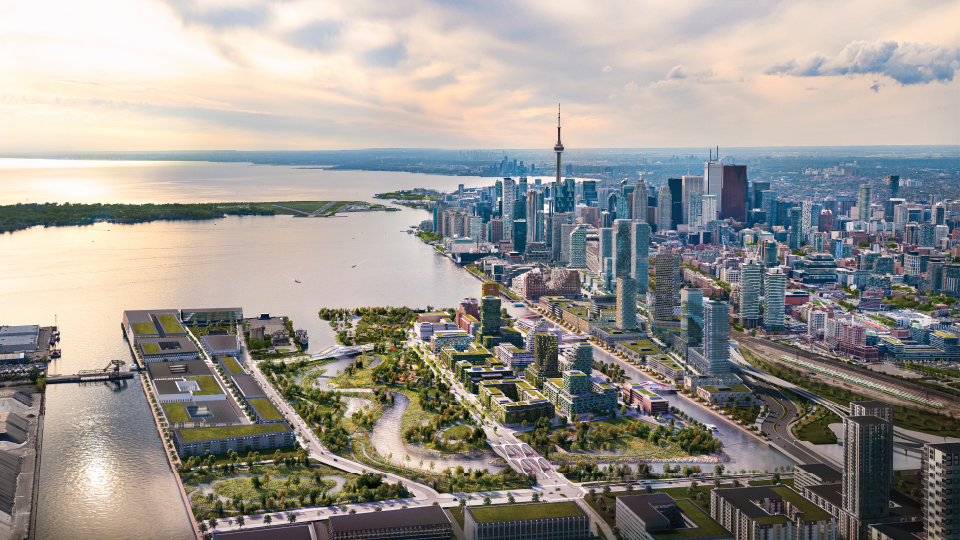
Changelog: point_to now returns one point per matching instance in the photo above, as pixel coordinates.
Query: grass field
(304, 206)
(150, 348)
(232, 366)
(818, 431)
(144, 328)
(208, 385)
(359, 379)
(459, 432)
(176, 412)
(202, 434)
(266, 409)
(169, 323)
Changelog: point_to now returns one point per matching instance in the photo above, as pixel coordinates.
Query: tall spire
(558, 148)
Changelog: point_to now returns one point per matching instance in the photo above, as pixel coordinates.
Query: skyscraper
(863, 202)
(733, 203)
(580, 357)
(716, 338)
(640, 260)
(667, 266)
(695, 211)
(664, 210)
(709, 212)
(578, 247)
(558, 148)
(867, 474)
(565, 198)
(938, 468)
(520, 235)
(641, 197)
(796, 229)
(589, 192)
(546, 360)
(509, 199)
(691, 317)
(713, 179)
(626, 303)
(606, 245)
(751, 277)
(490, 310)
(774, 296)
(622, 248)
(556, 244)
(676, 199)
(691, 183)
(566, 229)
(893, 187)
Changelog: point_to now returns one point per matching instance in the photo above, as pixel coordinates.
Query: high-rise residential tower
(691, 317)
(667, 266)
(774, 297)
(713, 179)
(716, 339)
(695, 212)
(709, 212)
(867, 474)
(578, 247)
(863, 202)
(509, 199)
(676, 199)
(664, 210)
(622, 248)
(640, 260)
(893, 187)
(751, 278)
(939, 470)
(626, 303)
(606, 245)
(796, 228)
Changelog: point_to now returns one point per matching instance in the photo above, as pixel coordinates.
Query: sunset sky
(296, 75)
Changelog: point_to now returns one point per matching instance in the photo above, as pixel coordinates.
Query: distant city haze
(260, 75)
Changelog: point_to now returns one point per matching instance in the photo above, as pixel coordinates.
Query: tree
(463, 504)
(267, 519)
(648, 488)
(776, 478)
(213, 523)
(291, 517)
(718, 470)
(240, 520)
(510, 498)
(535, 497)
(487, 501)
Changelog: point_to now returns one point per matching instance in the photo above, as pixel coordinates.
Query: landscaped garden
(815, 428)
(232, 366)
(208, 385)
(266, 409)
(176, 412)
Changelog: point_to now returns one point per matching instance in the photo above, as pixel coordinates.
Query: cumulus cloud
(682, 72)
(607, 69)
(906, 63)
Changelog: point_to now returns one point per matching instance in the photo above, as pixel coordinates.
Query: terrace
(203, 434)
(266, 409)
(208, 386)
(525, 512)
(169, 323)
(706, 526)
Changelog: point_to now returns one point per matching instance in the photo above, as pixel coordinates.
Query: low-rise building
(518, 359)
(762, 512)
(578, 393)
(163, 349)
(152, 323)
(212, 316)
(512, 406)
(735, 395)
(545, 521)
(220, 440)
(636, 395)
(418, 523)
(815, 474)
(199, 388)
(666, 367)
(425, 329)
(218, 347)
(638, 350)
(658, 516)
(692, 382)
(458, 339)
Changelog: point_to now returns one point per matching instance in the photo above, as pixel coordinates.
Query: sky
(471, 74)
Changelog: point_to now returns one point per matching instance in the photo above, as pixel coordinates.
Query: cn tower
(558, 148)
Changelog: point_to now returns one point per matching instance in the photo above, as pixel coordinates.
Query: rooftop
(524, 512)
(248, 386)
(175, 370)
(706, 525)
(203, 434)
(822, 471)
(946, 447)
(391, 519)
(222, 343)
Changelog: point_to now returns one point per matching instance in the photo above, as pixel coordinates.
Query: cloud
(607, 69)
(907, 63)
(191, 13)
(631, 86)
(388, 56)
(433, 83)
(318, 36)
(680, 71)
(677, 72)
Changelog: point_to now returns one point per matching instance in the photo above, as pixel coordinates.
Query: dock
(110, 373)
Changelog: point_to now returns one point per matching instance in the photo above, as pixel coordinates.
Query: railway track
(928, 393)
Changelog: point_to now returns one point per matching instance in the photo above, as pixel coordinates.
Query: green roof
(811, 512)
(266, 409)
(232, 366)
(739, 388)
(150, 348)
(706, 525)
(204, 434)
(208, 385)
(176, 412)
(144, 328)
(169, 323)
(493, 514)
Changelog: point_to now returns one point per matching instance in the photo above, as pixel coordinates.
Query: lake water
(103, 474)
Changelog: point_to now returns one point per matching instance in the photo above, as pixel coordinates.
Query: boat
(296, 281)
(354, 266)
